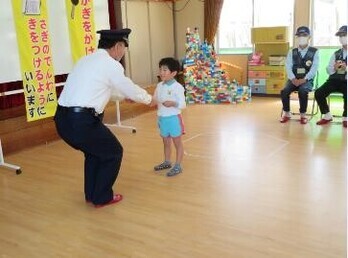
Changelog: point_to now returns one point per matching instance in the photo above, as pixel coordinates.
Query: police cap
(342, 31)
(303, 30)
(115, 35)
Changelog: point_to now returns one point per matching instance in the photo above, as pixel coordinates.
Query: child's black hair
(171, 63)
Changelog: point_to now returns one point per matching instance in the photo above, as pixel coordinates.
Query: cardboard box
(269, 34)
(276, 60)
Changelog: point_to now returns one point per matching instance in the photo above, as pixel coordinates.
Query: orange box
(274, 86)
(257, 74)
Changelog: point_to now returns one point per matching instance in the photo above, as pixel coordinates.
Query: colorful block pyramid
(205, 80)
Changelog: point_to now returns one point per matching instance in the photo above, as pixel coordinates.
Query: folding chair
(329, 102)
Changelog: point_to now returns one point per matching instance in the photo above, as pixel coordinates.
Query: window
(238, 17)
(234, 26)
(328, 16)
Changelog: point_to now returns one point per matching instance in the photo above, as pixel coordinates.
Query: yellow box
(279, 75)
(274, 86)
(269, 34)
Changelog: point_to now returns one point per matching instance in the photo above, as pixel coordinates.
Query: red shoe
(324, 121)
(303, 120)
(344, 124)
(116, 198)
(284, 119)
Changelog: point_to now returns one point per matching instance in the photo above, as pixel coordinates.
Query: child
(170, 98)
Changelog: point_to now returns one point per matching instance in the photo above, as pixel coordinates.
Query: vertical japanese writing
(87, 26)
(81, 28)
(35, 59)
(39, 82)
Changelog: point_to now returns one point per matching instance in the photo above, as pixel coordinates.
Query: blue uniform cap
(303, 30)
(115, 35)
(342, 31)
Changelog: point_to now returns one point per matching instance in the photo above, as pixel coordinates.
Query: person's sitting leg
(321, 95)
(344, 92)
(303, 91)
(285, 97)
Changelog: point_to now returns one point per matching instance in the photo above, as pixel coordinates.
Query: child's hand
(340, 65)
(169, 103)
(153, 102)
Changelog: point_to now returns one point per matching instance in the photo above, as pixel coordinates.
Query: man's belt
(78, 110)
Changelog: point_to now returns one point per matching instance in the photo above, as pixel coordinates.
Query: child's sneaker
(163, 165)
(175, 170)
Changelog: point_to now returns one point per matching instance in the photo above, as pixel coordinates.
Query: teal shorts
(171, 126)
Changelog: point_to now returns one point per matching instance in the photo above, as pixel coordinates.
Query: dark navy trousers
(331, 86)
(103, 152)
(302, 90)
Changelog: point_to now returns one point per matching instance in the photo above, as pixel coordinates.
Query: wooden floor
(251, 188)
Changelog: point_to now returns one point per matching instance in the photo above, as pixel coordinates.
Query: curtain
(112, 17)
(212, 11)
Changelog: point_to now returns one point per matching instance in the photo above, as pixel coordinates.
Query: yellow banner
(35, 58)
(82, 34)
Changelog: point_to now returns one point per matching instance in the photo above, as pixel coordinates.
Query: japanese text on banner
(80, 15)
(35, 60)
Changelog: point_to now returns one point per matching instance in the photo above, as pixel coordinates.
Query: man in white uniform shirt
(80, 110)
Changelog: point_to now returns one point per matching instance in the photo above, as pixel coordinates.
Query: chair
(334, 95)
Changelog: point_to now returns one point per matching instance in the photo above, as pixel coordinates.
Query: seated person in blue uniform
(301, 67)
(337, 81)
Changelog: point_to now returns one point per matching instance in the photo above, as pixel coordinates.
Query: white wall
(187, 15)
(9, 56)
(152, 38)
(161, 34)
(135, 17)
